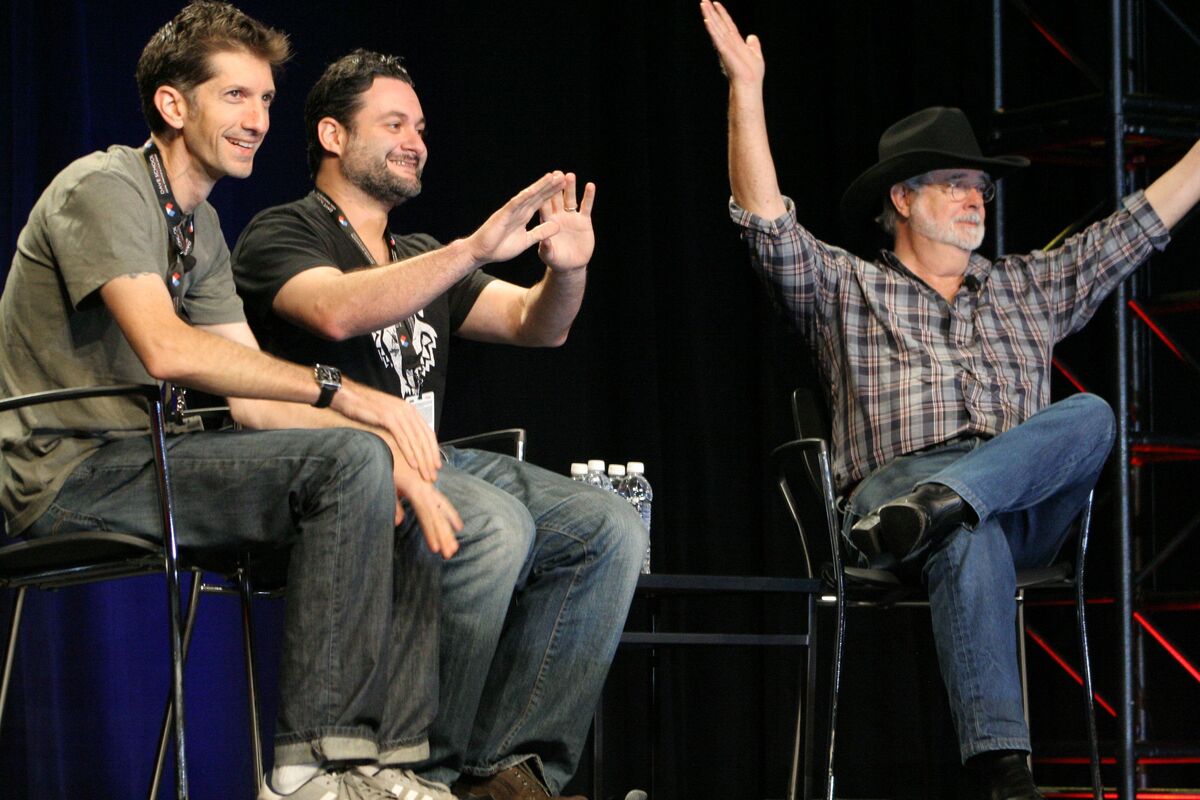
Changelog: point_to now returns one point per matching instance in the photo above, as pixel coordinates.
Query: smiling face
(935, 215)
(385, 148)
(228, 115)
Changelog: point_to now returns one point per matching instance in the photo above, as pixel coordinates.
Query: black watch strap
(330, 380)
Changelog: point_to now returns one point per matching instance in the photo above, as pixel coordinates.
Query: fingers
(589, 197)
(416, 441)
(438, 519)
(540, 233)
(434, 512)
(568, 194)
(532, 197)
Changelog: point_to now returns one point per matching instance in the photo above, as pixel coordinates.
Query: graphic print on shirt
(412, 359)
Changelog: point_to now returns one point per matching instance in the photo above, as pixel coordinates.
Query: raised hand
(741, 60)
(571, 248)
(504, 235)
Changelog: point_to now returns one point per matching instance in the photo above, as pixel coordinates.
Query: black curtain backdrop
(676, 359)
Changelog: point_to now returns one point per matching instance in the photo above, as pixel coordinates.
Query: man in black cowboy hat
(938, 368)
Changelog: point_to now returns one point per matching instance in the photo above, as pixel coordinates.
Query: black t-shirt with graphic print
(402, 359)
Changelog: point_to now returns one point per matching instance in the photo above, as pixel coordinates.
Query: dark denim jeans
(533, 605)
(1026, 485)
(358, 676)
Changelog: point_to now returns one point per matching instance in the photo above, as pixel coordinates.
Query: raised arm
(338, 305)
(1178, 189)
(541, 315)
(752, 176)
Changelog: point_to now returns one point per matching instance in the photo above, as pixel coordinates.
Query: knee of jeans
(361, 455)
(507, 530)
(1098, 415)
(621, 535)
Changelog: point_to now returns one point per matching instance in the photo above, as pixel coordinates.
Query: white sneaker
(342, 785)
(408, 785)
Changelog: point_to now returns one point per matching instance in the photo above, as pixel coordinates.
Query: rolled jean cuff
(488, 770)
(339, 744)
(989, 743)
(405, 752)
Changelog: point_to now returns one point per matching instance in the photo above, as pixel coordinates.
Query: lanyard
(182, 227)
(182, 230)
(343, 223)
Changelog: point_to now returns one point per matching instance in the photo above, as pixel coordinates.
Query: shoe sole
(902, 527)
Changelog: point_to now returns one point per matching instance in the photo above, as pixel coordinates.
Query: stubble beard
(380, 184)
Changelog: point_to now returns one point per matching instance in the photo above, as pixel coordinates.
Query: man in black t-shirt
(534, 602)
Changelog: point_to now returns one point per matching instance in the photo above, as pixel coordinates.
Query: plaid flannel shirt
(905, 368)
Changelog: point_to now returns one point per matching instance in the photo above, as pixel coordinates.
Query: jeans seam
(535, 694)
(970, 715)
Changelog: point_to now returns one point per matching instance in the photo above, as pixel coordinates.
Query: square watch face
(328, 376)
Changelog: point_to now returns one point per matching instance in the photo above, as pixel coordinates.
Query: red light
(1062, 662)
(1159, 332)
(1070, 376)
(1170, 648)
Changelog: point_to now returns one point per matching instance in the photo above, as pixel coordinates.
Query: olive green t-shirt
(97, 220)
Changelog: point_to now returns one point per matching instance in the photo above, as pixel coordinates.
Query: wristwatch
(330, 380)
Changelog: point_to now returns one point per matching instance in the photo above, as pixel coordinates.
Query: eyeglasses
(958, 188)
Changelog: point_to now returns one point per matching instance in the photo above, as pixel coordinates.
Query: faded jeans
(533, 605)
(1026, 486)
(358, 675)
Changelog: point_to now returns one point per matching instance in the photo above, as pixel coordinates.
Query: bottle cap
(635, 468)
(578, 468)
(595, 463)
(616, 471)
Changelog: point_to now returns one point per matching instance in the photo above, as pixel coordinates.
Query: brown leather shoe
(518, 782)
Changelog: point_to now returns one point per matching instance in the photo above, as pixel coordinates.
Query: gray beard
(946, 234)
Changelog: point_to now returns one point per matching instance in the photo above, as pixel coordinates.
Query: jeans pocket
(63, 520)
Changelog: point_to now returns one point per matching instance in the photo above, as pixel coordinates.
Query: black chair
(70, 559)
(805, 462)
(654, 589)
(263, 573)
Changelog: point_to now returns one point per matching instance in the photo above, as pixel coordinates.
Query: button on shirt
(905, 368)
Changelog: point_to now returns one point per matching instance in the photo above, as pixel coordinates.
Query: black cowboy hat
(933, 138)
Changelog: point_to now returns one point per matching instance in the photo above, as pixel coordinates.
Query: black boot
(1005, 775)
(897, 527)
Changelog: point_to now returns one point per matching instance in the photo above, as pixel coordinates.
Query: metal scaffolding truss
(1116, 127)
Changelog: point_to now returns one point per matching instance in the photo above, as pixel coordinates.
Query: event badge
(425, 405)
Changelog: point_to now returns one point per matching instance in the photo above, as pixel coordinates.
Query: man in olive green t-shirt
(122, 276)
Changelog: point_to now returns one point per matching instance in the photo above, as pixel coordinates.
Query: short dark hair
(338, 94)
(178, 53)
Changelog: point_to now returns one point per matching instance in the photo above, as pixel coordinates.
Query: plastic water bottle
(616, 476)
(595, 475)
(641, 497)
(578, 471)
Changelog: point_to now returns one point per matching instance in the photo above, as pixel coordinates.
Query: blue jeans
(1026, 486)
(358, 676)
(533, 605)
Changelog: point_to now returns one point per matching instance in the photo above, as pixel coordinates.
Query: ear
(172, 105)
(899, 197)
(332, 135)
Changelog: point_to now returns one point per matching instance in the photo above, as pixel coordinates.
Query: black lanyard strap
(409, 324)
(182, 229)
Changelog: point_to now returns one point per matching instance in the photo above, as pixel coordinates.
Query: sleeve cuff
(754, 222)
(1144, 215)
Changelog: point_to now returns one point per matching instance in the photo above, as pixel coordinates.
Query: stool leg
(251, 690)
(164, 735)
(1085, 523)
(10, 651)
